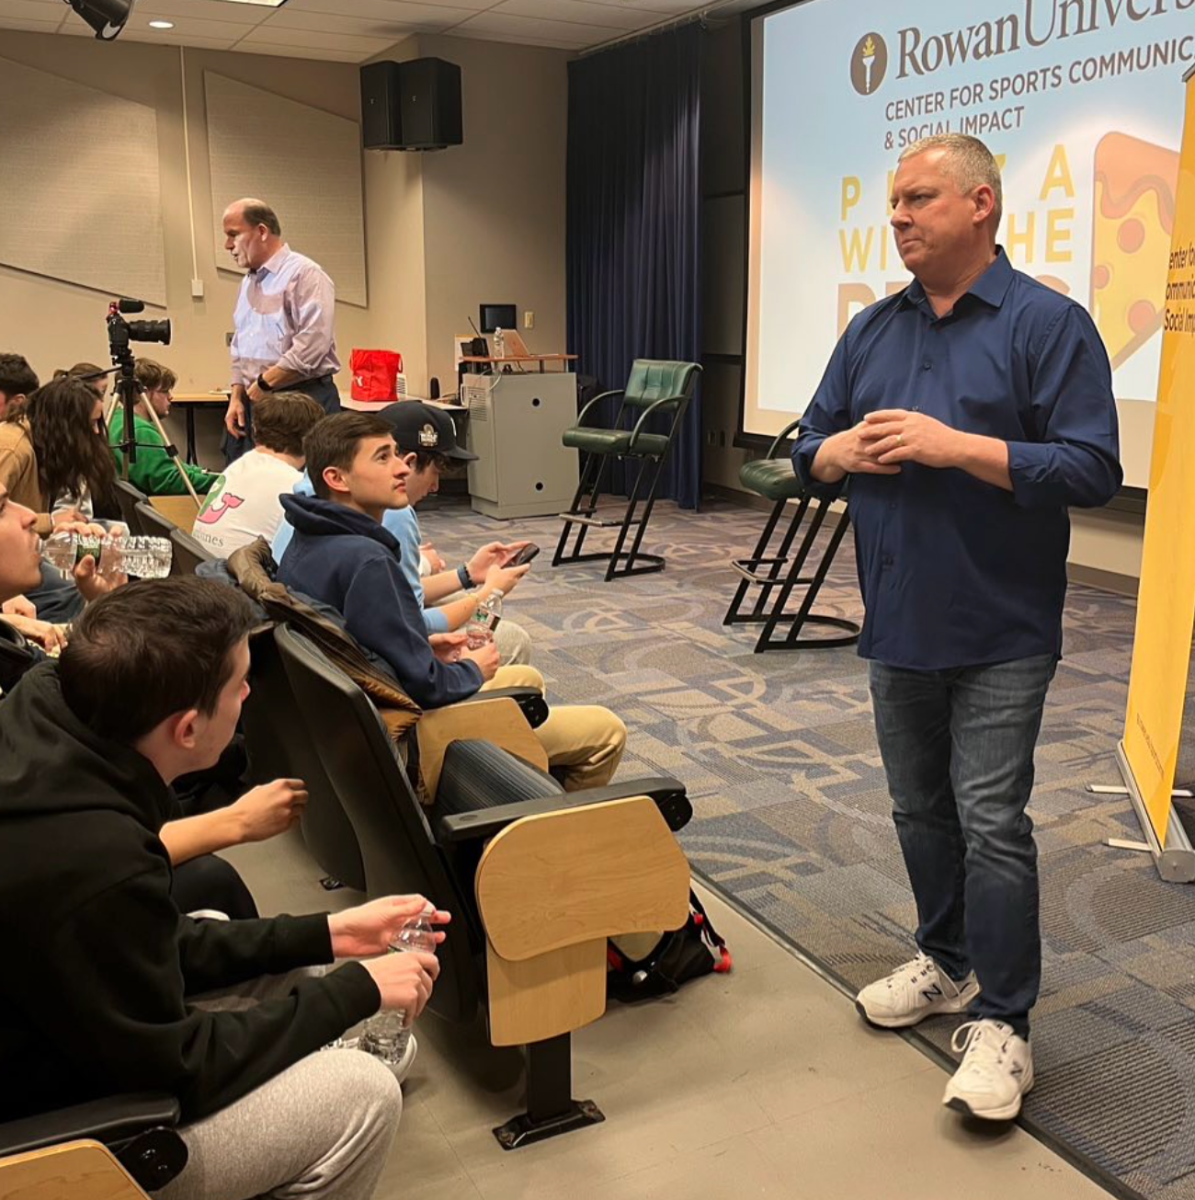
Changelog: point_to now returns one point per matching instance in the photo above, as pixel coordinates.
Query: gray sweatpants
(322, 1128)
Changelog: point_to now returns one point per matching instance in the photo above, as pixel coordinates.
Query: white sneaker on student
(913, 992)
(402, 1068)
(996, 1071)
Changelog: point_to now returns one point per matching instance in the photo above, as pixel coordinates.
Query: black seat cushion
(478, 775)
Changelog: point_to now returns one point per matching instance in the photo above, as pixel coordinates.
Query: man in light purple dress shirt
(282, 338)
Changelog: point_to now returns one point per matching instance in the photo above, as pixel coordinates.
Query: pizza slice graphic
(1133, 219)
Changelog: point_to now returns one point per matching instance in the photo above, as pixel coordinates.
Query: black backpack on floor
(693, 950)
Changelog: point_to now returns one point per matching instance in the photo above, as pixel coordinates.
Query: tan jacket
(18, 464)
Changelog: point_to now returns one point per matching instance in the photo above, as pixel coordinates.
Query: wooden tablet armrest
(551, 889)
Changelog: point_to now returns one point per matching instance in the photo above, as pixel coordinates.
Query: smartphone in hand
(525, 555)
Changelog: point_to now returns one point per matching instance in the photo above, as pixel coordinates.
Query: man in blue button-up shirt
(969, 410)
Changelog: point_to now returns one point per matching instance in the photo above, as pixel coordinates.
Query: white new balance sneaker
(913, 992)
(996, 1071)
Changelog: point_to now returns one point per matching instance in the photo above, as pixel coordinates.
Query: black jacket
(96, 963)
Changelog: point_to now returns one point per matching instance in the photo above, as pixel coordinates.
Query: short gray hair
(967, 161)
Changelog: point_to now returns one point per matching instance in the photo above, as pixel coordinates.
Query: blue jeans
(958, 749)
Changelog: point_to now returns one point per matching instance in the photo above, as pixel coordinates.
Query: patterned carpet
(792, 817)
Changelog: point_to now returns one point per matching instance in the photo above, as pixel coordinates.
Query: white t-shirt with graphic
(244, 503)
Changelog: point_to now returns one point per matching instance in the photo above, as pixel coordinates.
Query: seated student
(76, 475)
(342, 555)
(20, 554)
(94, 376)
(428, 439)
(18, 459)
(153, 470)
(244, 502)
(17, 381)
(114, 989)
(199, 880)
(18, 455)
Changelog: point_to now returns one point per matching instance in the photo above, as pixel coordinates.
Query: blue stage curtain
(634, 201)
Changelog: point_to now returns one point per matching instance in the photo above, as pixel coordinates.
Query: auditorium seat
(774, 478)
(128, 497)
(536, 886)
(105, 1149)
(280, 747)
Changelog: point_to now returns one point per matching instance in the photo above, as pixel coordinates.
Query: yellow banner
(1166, 600)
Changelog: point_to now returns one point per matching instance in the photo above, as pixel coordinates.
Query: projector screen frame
(743, 439)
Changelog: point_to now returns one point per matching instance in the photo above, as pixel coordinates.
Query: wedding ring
(900, 439)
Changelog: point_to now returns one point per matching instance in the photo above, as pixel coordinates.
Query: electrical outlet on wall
(528, 320)
(197, 289)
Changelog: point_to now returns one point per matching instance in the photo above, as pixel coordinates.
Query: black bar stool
(655, 388)
(773, 478)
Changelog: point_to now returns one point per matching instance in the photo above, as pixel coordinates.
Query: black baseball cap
(419, 426)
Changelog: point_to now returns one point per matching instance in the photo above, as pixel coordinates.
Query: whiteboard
(81, 199)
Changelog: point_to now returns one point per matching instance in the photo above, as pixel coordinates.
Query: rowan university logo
(869, 63)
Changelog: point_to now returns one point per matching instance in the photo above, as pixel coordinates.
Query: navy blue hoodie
(348, 560)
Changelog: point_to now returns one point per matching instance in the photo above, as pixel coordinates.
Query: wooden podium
(517, 418)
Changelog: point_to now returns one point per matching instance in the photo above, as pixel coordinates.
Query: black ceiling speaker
(414, 105)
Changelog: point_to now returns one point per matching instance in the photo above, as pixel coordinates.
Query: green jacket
(152, 471)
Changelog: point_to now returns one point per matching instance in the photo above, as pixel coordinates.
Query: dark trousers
(957, 747)
(322, 390)
(210, 882)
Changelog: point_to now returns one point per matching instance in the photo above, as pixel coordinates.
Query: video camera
(121, 332)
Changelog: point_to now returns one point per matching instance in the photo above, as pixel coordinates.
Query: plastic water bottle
(484, 621)
(499, 344)
(387, 1035)
(142, 557)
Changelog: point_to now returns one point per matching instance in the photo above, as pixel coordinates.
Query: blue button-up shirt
(957, 572)
(283, 317)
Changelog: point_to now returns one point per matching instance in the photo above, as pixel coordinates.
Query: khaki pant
(584, 741)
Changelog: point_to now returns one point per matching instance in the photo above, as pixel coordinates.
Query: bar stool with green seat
(655, 387)
(773, 478)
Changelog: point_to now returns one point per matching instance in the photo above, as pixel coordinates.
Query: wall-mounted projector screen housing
(1081, 102)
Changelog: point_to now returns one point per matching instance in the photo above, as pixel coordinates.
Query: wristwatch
(261, 383)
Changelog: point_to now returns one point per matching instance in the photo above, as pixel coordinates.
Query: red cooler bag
(375, 375)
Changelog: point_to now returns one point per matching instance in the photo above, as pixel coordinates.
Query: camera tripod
(126, 392)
